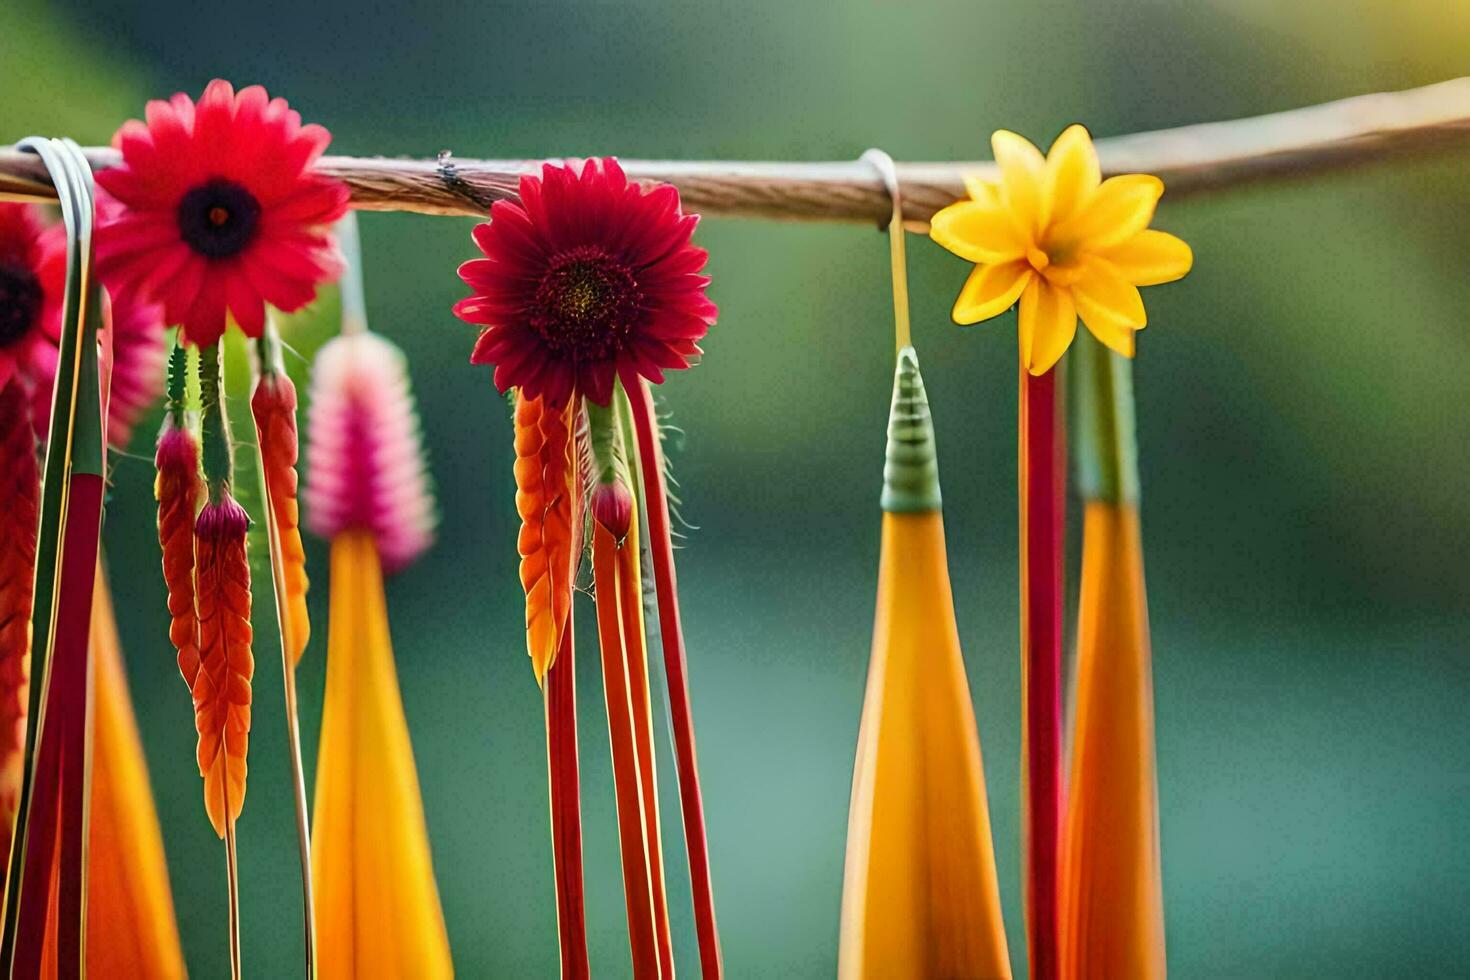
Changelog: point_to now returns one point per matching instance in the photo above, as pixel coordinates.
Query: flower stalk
(273, 407)
(1111, 894)
(676, 670)
(1043, 507)
(47, 876)
(222, 596)
(920, 895)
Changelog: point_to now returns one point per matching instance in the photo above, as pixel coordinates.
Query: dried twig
(1190, 159)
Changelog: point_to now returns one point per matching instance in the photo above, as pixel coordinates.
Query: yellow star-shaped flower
(1055, 236)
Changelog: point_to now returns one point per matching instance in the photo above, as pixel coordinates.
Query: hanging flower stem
(638, 886)
(661, 548)
(222, 592)
(69, 522)
(1112, 910)
(1043, 507)
(273, 406)
(560, 695)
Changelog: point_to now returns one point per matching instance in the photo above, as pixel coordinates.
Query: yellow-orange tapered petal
(131, 929)
(920, 897)
(377, 905)
(1112, 910)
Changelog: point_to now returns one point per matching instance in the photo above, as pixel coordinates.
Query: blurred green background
(1303, 413)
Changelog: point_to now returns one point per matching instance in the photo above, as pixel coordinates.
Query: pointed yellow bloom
(377, 905)
(1112, 903)
(920, 897)
(131, 930)
(1054, 236)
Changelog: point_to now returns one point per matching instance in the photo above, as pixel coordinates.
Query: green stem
(215, 453)
(1103, 426)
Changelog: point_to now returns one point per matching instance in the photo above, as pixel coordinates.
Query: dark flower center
(20, 302)
(587, 304)
(218, 218)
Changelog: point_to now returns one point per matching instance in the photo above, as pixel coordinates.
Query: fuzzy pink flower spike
(365, 463)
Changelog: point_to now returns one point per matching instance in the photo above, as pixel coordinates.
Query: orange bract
(177, 488)
(274, 408)
(222, 685)
(920, 897)
(1112, 904)
(131, 931)
(20, 490)
(544, 500)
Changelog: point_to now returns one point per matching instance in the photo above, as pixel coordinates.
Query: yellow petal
(920, 896)
(1047, 324)
(981, 233)
(1121, 208)
(1072, 172)
(1111, 903)
(1107, 302)
(991, 290)
(131, 930)
(377, 905)
(1114, 337)
(1151, 257)
(1023, 179)
(982, 190)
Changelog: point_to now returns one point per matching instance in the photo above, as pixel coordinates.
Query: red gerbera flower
(32, 280)
(586, 279)
(215, 210)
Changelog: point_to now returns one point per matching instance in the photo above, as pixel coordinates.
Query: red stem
(691, 805)
(566, 809)
(57, 818)
(633, 845)
(635, 662)
(1043, 524)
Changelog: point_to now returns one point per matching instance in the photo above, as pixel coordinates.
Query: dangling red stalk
(20, 498)
(566, 808)
(637, 865)
(661, 550)
(1043, 513)
(635, 662)
(54, 848)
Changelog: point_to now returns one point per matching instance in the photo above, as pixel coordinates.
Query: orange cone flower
(920, 897)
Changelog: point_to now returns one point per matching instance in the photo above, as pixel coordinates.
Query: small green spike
(911, 468)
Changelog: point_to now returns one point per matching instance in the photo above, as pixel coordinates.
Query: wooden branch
(1191, 159)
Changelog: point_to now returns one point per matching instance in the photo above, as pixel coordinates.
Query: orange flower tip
(612, 507)
(222, 520)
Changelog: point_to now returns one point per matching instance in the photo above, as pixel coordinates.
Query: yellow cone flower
(377, 906)
(1054, 236)
(920, 897)
(131, 930)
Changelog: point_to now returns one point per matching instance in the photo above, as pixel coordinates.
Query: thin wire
(883, 163)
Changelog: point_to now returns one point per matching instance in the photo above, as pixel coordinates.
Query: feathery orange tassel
(274, 408)
(222, 685)
(543, 471)
(177, 489)
(20, 491)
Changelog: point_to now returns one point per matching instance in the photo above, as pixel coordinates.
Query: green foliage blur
(1303, 414)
